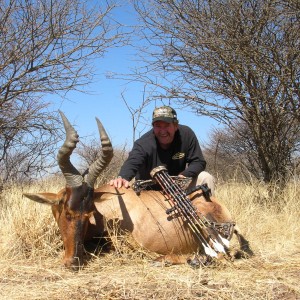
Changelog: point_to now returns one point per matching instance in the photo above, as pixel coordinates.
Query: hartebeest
(80, 210)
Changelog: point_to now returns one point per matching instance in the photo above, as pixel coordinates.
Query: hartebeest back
(79, 209)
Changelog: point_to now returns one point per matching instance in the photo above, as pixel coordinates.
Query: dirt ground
(127, 277)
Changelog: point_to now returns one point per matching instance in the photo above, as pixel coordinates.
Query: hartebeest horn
(72, 176)
(104, 159)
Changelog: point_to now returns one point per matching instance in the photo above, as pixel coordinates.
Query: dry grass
(31, 250)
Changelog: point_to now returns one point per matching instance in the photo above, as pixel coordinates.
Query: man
(167, 144)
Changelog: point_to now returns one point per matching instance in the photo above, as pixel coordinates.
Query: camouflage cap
(164, 113)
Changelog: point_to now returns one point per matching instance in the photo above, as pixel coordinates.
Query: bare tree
(46, 47)
(89, 150)
(233, 154)
(28, 137)
(139, 123)
(231, 60)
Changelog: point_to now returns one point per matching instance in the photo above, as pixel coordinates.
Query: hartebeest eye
(68, 216)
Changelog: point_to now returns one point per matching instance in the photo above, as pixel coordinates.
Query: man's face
(164, 132)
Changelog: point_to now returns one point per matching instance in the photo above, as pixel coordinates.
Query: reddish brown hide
(79, 209)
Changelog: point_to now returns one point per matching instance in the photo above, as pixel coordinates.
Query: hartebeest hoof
(243, 253)
(200, 260)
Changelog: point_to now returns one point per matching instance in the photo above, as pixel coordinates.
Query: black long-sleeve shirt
(184, 156)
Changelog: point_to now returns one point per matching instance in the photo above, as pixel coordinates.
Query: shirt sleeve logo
(178, 155)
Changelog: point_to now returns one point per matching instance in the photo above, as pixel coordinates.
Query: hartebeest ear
(44, 198)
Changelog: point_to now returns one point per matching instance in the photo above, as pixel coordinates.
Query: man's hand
(119, 182)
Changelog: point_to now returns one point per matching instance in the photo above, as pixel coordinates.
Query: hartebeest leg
(245, 250)
(170, 259)
(195, 261)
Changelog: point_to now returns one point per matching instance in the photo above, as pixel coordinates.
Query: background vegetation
(234, 61)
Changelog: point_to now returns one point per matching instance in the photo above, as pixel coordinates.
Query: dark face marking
(73, 216)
